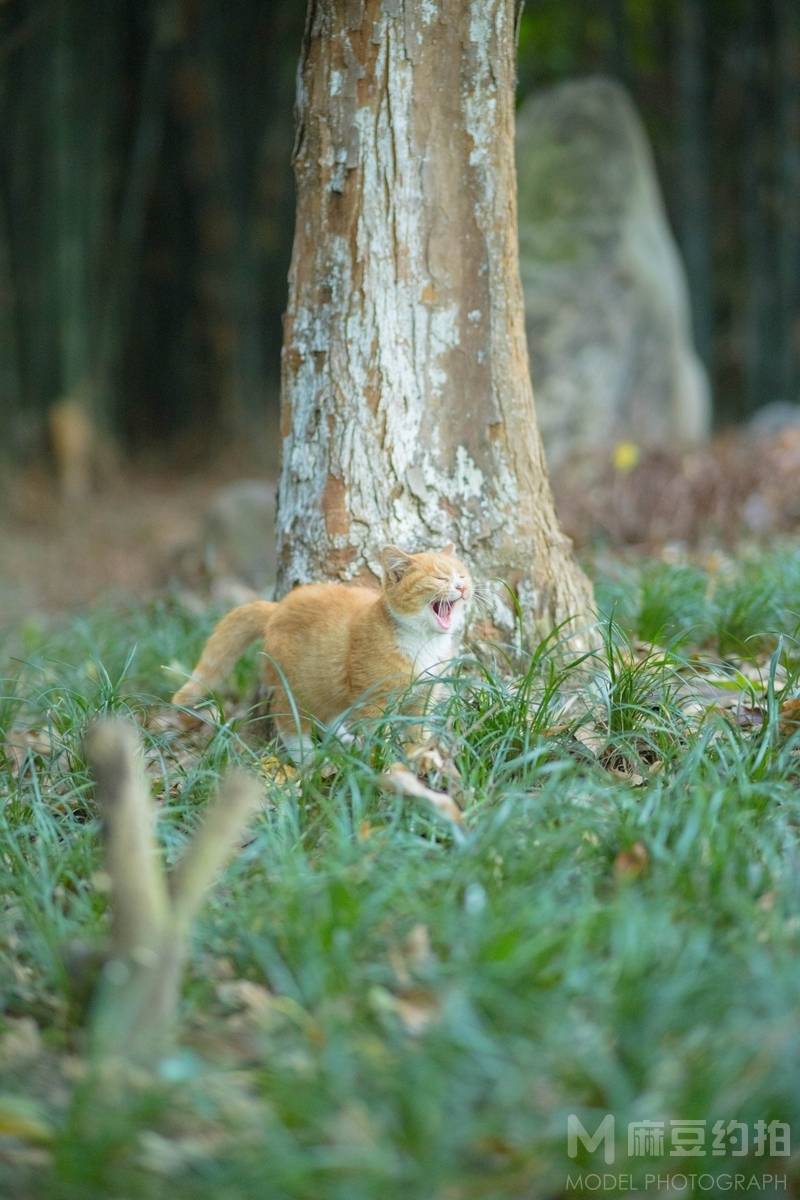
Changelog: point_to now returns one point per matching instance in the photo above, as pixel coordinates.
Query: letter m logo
(576, 1132)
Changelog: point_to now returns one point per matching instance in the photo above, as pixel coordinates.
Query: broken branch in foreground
(136, 1005)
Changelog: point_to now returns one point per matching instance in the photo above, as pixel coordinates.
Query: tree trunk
(407, 410)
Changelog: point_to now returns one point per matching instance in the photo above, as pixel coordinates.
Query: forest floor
(381, 1002)
(146, 526)
(122, 540)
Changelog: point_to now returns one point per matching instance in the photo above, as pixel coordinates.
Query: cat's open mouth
(443, 611)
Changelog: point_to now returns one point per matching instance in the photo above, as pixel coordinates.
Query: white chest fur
(429, 653)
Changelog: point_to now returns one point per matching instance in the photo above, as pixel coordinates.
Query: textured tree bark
(407, 410)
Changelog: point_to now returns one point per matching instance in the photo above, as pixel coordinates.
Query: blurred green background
(146, 201)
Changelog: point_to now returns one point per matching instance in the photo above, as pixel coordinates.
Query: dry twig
(136, 1006)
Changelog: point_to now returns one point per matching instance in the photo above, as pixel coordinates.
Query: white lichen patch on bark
(407, 410)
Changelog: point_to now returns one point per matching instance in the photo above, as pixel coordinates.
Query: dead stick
(136, 1007)
(212, 845)
(139, 901)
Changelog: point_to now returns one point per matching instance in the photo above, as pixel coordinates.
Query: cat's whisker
(480, 598)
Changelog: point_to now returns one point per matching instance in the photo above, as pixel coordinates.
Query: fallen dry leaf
(625, 456)
(21, 743)
(417, 1008)
(417, 946)
(591, 738)
(23, 1119)
(273, 768)
(629, 864)
(245, 996)
(353, 1125)
(21, 1041)
(412, 956)
(744, 716)
(402, 782)
(789, 717)
(630, 777)
(174, 1155)
(433, 759)
(558, 730)
(365, 830)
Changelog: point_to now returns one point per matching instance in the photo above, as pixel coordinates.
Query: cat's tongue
(442, 610)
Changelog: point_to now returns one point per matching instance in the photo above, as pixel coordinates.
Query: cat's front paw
(343, 734)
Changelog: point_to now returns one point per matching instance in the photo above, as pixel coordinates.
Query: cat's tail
(228, 642)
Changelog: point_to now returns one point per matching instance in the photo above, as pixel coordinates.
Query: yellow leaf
(402, 782)
(629, 864)
(417, 1008)
(789, 717)
(625, 456)
(22, 1118)
(413, 956)
(271, 767)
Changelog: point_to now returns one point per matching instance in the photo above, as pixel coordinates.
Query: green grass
(618, 930)
(734, 608)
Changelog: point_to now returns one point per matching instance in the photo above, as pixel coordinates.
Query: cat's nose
(461, 586)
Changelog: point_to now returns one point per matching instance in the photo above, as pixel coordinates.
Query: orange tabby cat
(334, 646)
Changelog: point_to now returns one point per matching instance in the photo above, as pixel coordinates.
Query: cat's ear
(395, 563)
(449, 549)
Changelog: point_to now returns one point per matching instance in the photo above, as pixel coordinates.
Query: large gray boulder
(606, 302)
(232, 554)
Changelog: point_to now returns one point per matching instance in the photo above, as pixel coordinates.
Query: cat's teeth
(442, 610)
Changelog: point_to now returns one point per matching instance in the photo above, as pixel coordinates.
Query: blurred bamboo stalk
(79, 178)
(163, 125)
(138, 179)
(788, 82)
(693, 159)
(760, 359)
(10, 377)
(92, 128)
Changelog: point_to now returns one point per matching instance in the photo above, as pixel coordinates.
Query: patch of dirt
(123, 539)
(146, 526)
